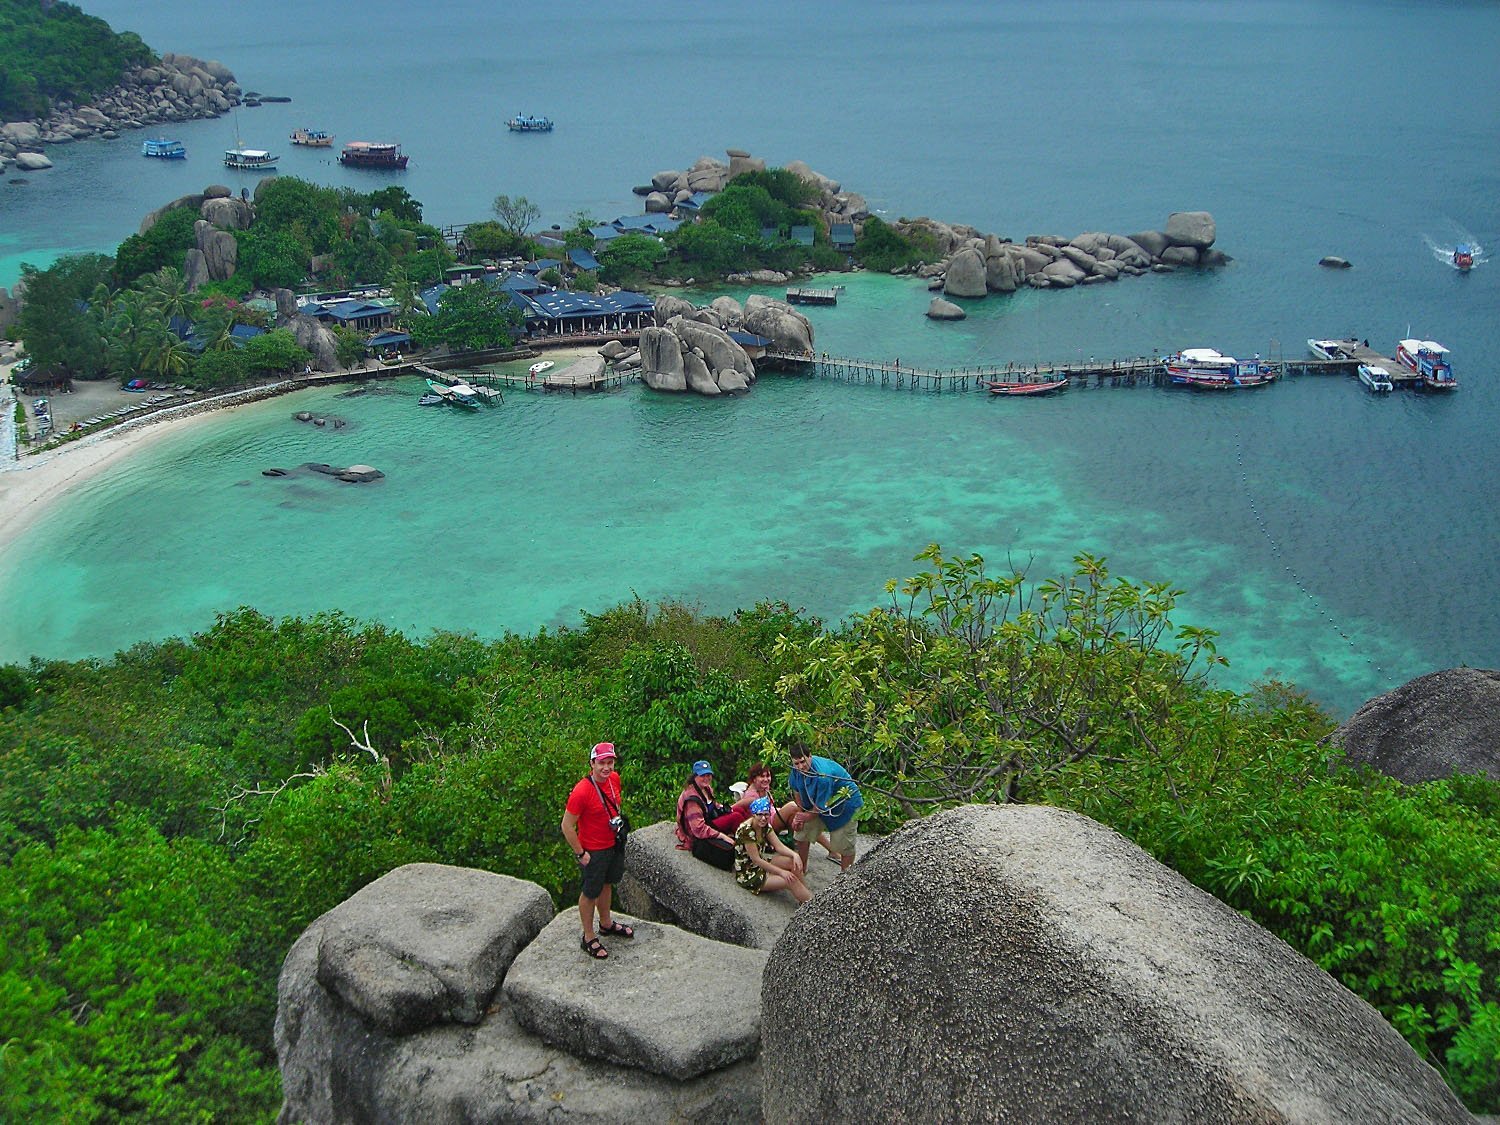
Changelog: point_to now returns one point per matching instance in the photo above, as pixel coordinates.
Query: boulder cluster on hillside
(178, 88)
(670, 188)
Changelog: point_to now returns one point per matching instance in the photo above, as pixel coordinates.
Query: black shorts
(603, 867)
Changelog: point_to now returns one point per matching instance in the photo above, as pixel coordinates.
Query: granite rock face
(786, 328)
(1030, 960)
(403, 954)
(646, 1007)
(1436, 726)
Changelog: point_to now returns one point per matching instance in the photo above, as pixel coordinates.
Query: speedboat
(1375, 377)
(1428, 359)
(537, 368)
(1330, 349)
(1463, 256)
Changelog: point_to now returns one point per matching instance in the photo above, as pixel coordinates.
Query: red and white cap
(601, 751)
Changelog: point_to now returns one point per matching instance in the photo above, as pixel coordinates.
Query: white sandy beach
(28, 486)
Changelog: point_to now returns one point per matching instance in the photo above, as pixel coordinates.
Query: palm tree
(166, 293)
(164, 354)
(130, 322)
(404, 294)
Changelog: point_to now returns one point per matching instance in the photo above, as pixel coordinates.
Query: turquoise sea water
(1337, 540)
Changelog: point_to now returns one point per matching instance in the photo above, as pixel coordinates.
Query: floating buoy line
(1260, 520)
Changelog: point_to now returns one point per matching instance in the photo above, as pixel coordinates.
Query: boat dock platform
(441, 379)
(812, 296)
(1351, 353)
(563, 379)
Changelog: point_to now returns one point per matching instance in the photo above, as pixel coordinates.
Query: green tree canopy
(56, 322)
(165, 244)
(470, 318)
(52, 51)
(516, 215)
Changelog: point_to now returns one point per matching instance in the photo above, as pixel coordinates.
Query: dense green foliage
(881, 246)
(59, 328)
(164, 244)
(53, 51)
(172, 818)
(469, 318)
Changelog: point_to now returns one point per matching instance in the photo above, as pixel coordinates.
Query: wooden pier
(1135, 371)
(799, 296)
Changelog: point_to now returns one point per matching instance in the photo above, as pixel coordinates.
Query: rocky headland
(177, 88)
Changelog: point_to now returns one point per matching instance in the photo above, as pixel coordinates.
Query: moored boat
(537, 368)
(1375, 377)
(250, 159)
(373, 154)
(312, 138)
(1428, 359)
(163, 149)
(1208, 369)
(1023, 389)
(1331, 349)
(525, 123)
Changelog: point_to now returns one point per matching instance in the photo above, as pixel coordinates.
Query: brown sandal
(593, 948)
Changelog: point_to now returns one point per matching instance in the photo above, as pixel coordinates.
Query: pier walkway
(1133, 371)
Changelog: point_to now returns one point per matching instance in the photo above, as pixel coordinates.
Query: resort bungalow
(802, 236)
(841, 236)
(562, 312)
(388, 341)
(583, 260)
(542, 264)
(362, 316)
(755, 346)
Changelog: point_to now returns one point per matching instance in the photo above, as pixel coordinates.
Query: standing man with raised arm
(589, 826)
(827, 799)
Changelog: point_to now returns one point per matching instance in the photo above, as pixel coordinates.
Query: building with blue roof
(583, 260)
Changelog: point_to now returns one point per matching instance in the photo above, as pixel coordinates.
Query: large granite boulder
(661, 360)
(32, 161)
(1190, 228)
(786, 328)
(966, 274)
(1029, 961)
(729, 311)
(231, 214)
(665, 883)
(1000, 274)
(338, 1067)
(1436, 726)
(220, 252)
(318, 339)
(1153, 242)
(1180, 256)
(21, 134)
(665, 1001)
(940, 309)
(403, 955)
(720, 352)
(668, 306)
(195, 273)
(194, 201)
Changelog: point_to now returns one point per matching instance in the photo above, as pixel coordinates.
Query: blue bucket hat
(701, 767)
(761, 806)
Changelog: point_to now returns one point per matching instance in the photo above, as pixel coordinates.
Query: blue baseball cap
(701, 767)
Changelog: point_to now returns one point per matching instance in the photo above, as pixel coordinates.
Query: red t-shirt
(594, 832)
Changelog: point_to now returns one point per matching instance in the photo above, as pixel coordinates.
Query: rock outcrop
(634, 1009)
(688, 351)
(1436, 726)
(786, 328)
(177, 88)
(1028, 957)
(940, 309)
(390, 1008)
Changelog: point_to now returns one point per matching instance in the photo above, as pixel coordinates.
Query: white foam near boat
(1375, 377)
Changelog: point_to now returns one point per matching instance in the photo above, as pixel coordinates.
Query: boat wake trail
(1453, 256)
(1292, 575)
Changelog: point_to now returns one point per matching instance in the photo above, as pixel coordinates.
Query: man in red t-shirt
(587, 826)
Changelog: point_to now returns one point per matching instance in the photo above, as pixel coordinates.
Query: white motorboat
(1330, 349)
(1375, 377)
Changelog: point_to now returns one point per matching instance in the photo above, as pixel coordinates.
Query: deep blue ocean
(1343, 542)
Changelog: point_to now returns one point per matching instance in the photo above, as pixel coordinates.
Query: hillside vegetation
(172, 818)
(50, 52)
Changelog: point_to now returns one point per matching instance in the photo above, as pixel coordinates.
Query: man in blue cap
(827, 799)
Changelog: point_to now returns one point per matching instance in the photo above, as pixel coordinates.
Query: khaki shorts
(841, 838)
